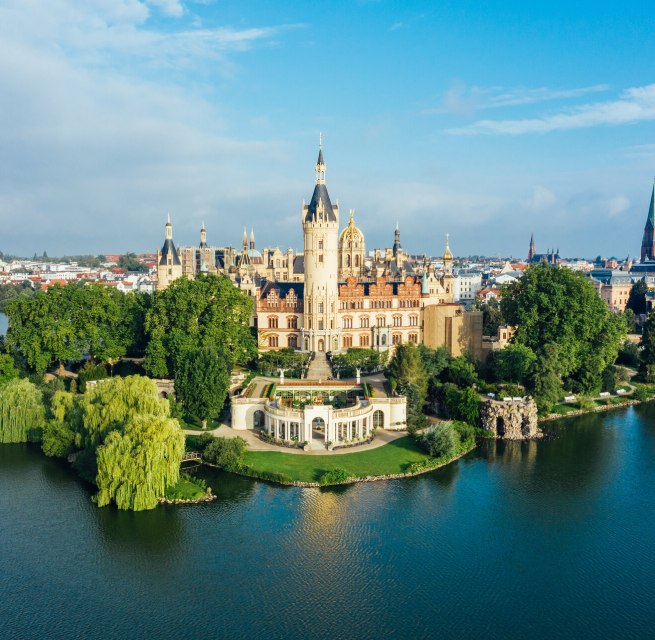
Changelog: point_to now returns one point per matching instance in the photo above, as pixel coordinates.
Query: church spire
(320, 164)
(648, 240)
(169, 227)
(531, 251)
(252, 238)
(245, 240)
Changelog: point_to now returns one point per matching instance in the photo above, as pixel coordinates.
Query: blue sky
(486, 120)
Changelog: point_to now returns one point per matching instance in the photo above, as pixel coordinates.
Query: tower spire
(320, 163)
(648, 240)
(252, 238)
(531, 251)
(169, 227)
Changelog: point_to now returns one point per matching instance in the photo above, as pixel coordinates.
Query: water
(3, 324)
(554, 539)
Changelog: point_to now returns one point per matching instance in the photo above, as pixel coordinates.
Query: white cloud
(463, 99)
(542, 198)
(617, 205)
(172, 8)
(634, 105)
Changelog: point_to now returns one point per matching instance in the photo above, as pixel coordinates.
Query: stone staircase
(319, 368)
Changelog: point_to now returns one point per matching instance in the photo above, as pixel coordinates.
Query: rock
(515, 420)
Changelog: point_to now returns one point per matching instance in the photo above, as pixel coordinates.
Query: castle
(334, 296)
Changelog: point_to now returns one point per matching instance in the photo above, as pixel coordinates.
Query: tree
(22, 413)
(129, 262)
(514, 363)
(8, 370)
(545, 381)
(434, 360)
(637, 298)
(110, 404)
(202, 382)
(553, 307)
(647, 354)
(191, 313)
(492, 316)
(136, 466)
(58, 439)
(460, 371)
(468, 407)
(407, 373)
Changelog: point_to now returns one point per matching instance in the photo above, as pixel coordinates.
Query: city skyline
(486, 123)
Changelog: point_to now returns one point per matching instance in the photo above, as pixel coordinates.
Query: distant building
(550, 257)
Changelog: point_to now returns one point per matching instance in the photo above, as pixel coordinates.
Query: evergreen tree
(137, 465)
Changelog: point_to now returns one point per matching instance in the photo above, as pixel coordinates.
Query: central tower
(320, 221)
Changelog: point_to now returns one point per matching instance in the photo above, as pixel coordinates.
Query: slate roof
(282, 288)
(320, 193)
(169, 249)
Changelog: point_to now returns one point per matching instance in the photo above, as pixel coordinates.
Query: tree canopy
(137, 464)
(192, 313)
(68, 322)
(558, 314)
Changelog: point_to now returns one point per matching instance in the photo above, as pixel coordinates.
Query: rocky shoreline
(580, 412)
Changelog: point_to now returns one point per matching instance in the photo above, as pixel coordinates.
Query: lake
(549, 539)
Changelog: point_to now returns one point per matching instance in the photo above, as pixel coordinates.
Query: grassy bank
(398, 457)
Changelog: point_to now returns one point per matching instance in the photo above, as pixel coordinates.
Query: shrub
(334, 476)
(225, 452)
(586, 404)
(641, 394)
(440, 440)
(22, 413)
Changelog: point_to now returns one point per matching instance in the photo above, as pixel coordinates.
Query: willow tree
(21, 411)
(111, 403)
(136, 466)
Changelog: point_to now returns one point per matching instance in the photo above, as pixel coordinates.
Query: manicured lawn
(394, 457)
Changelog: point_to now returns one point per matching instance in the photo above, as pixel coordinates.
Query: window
(364, 322)
(364, 341)
(397, 321)
(321, 307)
(357, 261)
(413, 321)
(378, 419)
(348, 323)
(413, 337)
(292, 342)
(320, 325)
(272, 341)
(292, 322)
(320, 245)
(395, 338)
(320, 257)
(347, 261)
(381, 321)
(347, 341)
(272, 322)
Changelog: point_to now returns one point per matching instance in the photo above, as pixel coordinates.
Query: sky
(488, 121)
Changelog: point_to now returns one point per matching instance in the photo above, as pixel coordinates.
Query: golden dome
(447, 254)
(351, 234)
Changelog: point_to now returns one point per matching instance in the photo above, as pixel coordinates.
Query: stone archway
(500, 426)
(258, 420)
(318, 429)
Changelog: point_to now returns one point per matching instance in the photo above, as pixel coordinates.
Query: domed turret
(352, 249)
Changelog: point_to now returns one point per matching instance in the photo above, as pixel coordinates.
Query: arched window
(292, 322)
(347, 261)
(378, 419)
(364, 341)
(383, 340)
(258, 420)
(293, 342)
(395, 338)
(357, 260)
(347, 323)
(381, 321)
(364, 322)
(272, 322)
(397, 321)
(347, 342)
(413, 321)
(413, 337)
(272, 341)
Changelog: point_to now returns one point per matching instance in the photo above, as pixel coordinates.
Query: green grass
(187, 488)
(395, 457)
